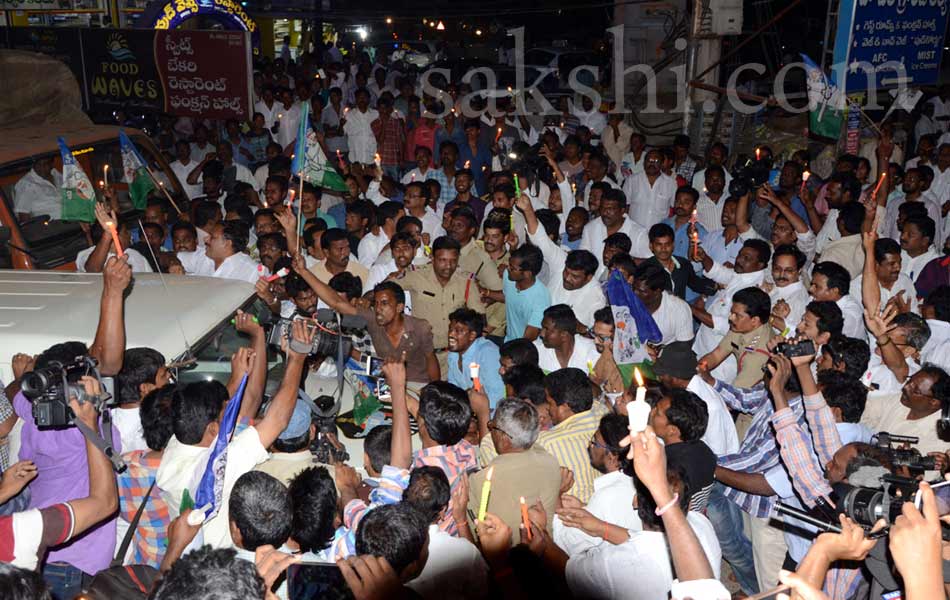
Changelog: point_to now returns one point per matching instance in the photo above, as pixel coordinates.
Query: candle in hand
(486, 492)
(524, 517)
(498, 135)
(758, 153)
(880, 183)
(638, 411)
(115, 238)
(473, 372)
(805, 177)
(517, 188)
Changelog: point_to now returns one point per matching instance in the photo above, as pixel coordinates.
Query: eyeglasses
(493, 427)
(593, 442)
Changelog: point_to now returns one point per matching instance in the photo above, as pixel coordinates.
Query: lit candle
(524, 517)
(115, 238)
(805, 177)
(638, 411)
(880, 183)
(290, 197)
(282, 273)
(102, 184)
(468, 164)
(105, 173)
(486, 492)
(412, 177)
(498, 135)
(473, 372)
(339, 158)
(758, 153)
(693, 233)
(378, 161)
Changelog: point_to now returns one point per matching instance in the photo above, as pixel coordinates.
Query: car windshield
(31, 190)
(214, 351)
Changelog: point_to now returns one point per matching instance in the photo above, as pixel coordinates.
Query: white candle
(638, 411)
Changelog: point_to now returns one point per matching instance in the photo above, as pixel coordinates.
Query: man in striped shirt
(576, 418)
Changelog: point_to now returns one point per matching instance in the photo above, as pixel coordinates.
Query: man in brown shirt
(395, 335)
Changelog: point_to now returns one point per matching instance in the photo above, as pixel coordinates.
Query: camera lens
(35, 383)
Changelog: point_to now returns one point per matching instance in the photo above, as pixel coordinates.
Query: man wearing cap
(675, 367)
(290, 452)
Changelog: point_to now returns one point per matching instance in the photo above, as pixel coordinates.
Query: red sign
(205, 74)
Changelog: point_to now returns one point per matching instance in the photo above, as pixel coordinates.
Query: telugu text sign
(885, 35)
(196, 86)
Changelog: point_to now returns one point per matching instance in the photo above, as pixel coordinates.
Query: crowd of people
(802, 320)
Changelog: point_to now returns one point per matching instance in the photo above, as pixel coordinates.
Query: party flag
(634, 323)
(211, 486)
(79, 197)
(135, 172)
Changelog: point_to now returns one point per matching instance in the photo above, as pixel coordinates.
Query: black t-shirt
(699, 462)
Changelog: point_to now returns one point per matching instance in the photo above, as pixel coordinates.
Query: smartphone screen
(383, 391)
(942, 496)
(313, 581)
(373, 366)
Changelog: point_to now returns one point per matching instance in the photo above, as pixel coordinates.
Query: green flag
(317, 169)
(79, 197)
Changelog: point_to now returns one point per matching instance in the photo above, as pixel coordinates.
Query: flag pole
(161, 186)
(300, 215)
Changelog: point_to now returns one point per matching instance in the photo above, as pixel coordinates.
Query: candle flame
(805, 176)
(638, 377)
(521, 499)
(468, 164)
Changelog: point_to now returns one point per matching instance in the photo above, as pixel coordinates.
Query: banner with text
(880, 42)
(181, 72)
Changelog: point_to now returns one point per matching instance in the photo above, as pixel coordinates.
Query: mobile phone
(314, 580)
(771, 594)
(383, 391)
(373, 365)
(941, 495)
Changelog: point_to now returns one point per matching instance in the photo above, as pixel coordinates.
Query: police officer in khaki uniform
(441, 287)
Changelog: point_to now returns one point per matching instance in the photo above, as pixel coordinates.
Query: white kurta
(649, 204)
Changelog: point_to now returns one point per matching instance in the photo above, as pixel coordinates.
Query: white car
(187, 317)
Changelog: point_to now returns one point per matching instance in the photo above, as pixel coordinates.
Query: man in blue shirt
(524, 296)
(684, 206)
(467, 346)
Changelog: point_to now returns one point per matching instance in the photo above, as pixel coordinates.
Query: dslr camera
(330, 333)
(50, 388)
(865, 505)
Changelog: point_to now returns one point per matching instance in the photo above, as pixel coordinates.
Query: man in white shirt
(891, 282)
(104, 248)
(915, 411)
(613, 219)
(831, 282)
(789, 296)
(559, 346)
(578, 287)
(182, 167)
(423, 157)
(38, 192)
(358, 129)
(288, 120)
(596, 172)
(917, 236)
(612, 500)
(714, 316)
(225, 249)
(712, 197)
(671, 313)
(373, 242)
(589, 116)
(911, 192)
(718, 153)
(195, 433)
(268, 107)
(650, 194)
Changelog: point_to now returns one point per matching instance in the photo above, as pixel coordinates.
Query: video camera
(750, 177)
(865, 504)
(324, 411)
(904, 457)
(332, 330)
(50, 388)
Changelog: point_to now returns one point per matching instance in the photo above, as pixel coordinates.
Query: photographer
(58, 454)
(796, 450)
(28, 534)
(386, 322)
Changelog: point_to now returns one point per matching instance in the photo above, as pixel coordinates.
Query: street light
(389, 20)
(440, 26)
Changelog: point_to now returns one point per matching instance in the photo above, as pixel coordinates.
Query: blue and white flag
(634, 325)
(135, 172)
(77, 193)
(211, 485)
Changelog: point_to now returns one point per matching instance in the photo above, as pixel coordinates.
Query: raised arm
(323, 291)
(880, 325)
(282, 406)
(401, 449)
(255, 365)
(786, 211)
(108, 347)
(742, 212)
